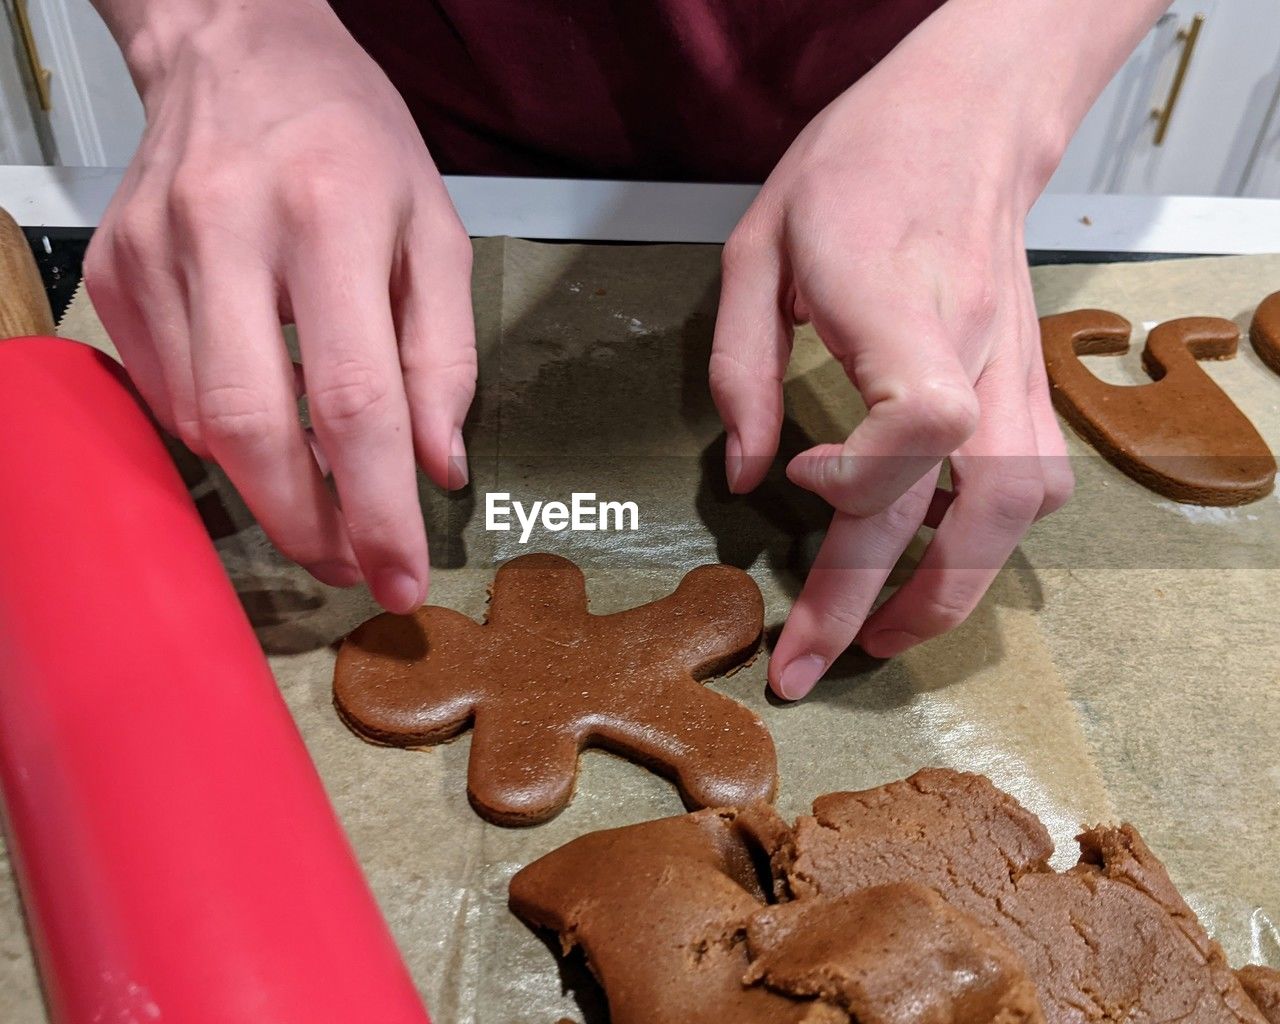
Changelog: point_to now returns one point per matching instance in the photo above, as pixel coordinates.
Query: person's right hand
(281, 178)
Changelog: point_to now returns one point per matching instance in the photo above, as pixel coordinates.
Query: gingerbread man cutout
(1180, 436)
(543, 678)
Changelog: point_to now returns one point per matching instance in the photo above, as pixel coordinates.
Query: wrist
(153, 34)
(150, 32)
(946, 120)
(1018, 76)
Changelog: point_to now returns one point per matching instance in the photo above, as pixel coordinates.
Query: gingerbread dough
(927, 901)
(1264, 332)
(543, 678)
(1263, 986)
(891, 954)
(660, 909)
(1181, 436)
(1110, 939)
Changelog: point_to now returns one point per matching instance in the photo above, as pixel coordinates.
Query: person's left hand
(894, 224)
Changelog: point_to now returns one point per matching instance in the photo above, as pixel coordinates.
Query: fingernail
(888, 643)
(799, 677)
(397, 591)
(317, 453)
(336, 574)
(458, 474)
(733, 462)
(793, 471)
(803, 470)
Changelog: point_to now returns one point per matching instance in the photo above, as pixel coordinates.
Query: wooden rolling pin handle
(24, 309)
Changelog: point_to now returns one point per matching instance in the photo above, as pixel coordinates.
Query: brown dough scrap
(1109, 939)
(1263, 986)
(1264, 332)
(1181, 436)
(891, 954)
(660, 910)
(544, 678)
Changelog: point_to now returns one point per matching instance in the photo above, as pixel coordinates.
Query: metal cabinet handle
(1162, 115)
(39, 72)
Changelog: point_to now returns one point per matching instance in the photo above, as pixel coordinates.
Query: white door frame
(96, 117)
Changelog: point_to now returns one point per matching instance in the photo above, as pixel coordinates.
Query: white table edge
(557, 208)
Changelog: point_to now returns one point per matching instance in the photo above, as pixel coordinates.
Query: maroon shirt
(697, 90)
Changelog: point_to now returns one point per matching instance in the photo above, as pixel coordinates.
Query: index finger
(853, 563)
(749, 355)
(249, 415)
(342, 307)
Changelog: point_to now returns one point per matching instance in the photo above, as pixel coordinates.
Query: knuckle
(451, 373)
(462, 372)
(720, 386)
(313, 190)
(1059, 486)
(727, 365)
(187, 195)
(906, 514)
(723, 369)
(948, 608)
(738, 247)
(134, 236)
(99, 267)
(1015, 501)
(306, 548)
(978, 297)
(456, 245)
(376, 533)
(196, 194)
(460, 366)
(944, 414)
(189, 430)
(352, 394)
(841, 622)
(234, 414)
(731, 254)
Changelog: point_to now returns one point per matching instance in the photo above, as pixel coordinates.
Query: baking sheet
(1123, 665)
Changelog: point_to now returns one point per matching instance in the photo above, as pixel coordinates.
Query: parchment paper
(1124, 665)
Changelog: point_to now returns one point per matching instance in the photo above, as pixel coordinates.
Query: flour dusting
(1206, 513)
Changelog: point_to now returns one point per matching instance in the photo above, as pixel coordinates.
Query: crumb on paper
(1087, 221)
(634, 324)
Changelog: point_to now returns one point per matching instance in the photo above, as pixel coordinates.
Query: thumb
(920, 401)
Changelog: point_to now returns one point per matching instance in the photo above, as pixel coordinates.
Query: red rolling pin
(177, 855)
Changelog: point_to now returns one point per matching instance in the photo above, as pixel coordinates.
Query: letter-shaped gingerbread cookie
(1180, 436)
(542, 678)
(1264, 332)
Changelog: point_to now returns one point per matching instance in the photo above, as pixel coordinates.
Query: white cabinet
(1262, 177)
(95, 117)
(19, 134)
(1231, 66)
(1223, 134)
